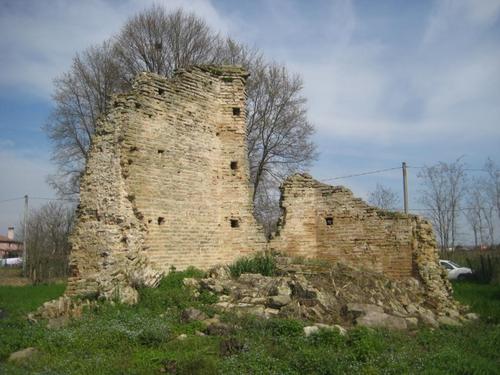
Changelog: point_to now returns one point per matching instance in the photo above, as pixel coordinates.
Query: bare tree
(267, 206)
(444, 187)
(492, 184)
(279, 135)
(47, 246)
(278, 132)
(160, 42)
(80, 96)
(384, 197)
(474, 211)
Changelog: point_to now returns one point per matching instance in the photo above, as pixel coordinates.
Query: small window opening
(236, 111)
(137, 105)
(329, 220)
(234, 165)
(161, 91)
(161, 220)
(134, 149)
(160, 152)
(235, 223)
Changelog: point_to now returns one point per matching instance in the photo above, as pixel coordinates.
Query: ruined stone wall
(166, 183)
(328, 222)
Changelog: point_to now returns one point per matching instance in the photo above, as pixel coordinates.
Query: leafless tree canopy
(384, 197)
(492, 184)
(160, 42)
(80, 96)
(279, 135)
(442, 195)
(47, 246)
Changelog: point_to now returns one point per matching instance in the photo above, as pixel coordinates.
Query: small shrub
(263, 263)
(285, 327)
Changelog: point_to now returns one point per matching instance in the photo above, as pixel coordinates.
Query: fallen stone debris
(333, 296)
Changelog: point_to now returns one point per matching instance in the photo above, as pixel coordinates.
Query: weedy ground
(143, 339)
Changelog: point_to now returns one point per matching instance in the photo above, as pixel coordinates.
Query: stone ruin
(167, 186)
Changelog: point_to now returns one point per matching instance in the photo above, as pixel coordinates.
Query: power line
(38, 198)
(11, 199)
(361, 174)
(465, 169)
(54, 199)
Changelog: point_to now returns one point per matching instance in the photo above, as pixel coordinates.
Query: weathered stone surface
(191, 314)
(310, 330)
(411, 322)
(166, 184)
(448, 321)
(23, 355)
(278, 301)
(376, 319)
(429, 319)
(363, 308)
(472, 316)
(331, 294)
(219, 329)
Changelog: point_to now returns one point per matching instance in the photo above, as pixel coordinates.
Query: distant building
(9, 247)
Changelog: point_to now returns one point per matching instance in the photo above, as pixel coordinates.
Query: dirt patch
(13, 276)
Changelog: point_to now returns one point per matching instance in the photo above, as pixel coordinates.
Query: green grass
(142, 339)
(18, 301)
(484, 299)
(263, 263)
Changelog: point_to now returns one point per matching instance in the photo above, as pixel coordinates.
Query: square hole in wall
(161, 91)
(329, 220)
(234, 165)
(161, 152)
(236, 111)
(161, 220)
(235, 223)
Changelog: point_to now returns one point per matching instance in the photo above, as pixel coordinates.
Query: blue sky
(386, 81)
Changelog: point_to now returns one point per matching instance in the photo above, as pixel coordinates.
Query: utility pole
(405, 188)
(25, 232)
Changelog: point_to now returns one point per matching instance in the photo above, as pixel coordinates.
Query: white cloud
(40, 38)
(455, 15)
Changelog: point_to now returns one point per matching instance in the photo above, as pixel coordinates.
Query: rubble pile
(333, 294)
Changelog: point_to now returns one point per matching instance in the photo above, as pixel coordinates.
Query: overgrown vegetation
(142, 339)
(263, 263)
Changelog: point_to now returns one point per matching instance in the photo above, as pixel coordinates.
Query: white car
(455, 272)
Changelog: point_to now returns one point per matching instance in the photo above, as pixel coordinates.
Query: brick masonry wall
(166, 184)
(328, 222)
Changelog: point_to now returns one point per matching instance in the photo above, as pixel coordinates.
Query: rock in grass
(278, 301)
(191, 315)
(375, 319)
(448, 321)
(23, 355)
(341, 330)
(219, 329)
(310, 330)
(231, 346)
(472, 316)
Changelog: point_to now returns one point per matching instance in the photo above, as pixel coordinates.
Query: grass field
(142, 339)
